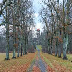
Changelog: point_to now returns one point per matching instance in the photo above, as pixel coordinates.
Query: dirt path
(42, 64)
(38, 65)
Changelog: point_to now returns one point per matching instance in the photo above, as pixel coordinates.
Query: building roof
(38, 29)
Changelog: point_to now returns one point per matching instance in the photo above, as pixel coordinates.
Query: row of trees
(58, 22)
(18, 17)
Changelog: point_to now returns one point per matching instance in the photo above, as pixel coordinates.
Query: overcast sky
(37, 4)
(1, 1)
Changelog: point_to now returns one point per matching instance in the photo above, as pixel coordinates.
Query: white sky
(1, 1)
(37, 4)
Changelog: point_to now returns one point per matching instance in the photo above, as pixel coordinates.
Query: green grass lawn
(3, 55)
(69, 56)
(19, 61)
(53, 61)
(39, 47)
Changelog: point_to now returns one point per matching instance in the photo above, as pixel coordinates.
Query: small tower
(38, 33)
(38, 36)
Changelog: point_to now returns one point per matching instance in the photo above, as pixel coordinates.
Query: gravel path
(41, 63)
(38, 63)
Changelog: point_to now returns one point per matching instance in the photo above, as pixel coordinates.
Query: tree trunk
(65, 43)
(56, 47)
(18, 41)
(23, 39)
(51, 50)
(14, 37)
(64, 36)
(48, 45)
(25, 46)
(51, 46)
(70, 43)
(55, 50)
(59, 50)
(21, 49)
(18, 49)
(14, 42)
(7, 37)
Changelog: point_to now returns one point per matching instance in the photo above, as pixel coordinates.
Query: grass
(58, 64)
(55, 62)
(15, 63)
(39, 47)
(69, 57)
(3, 55)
